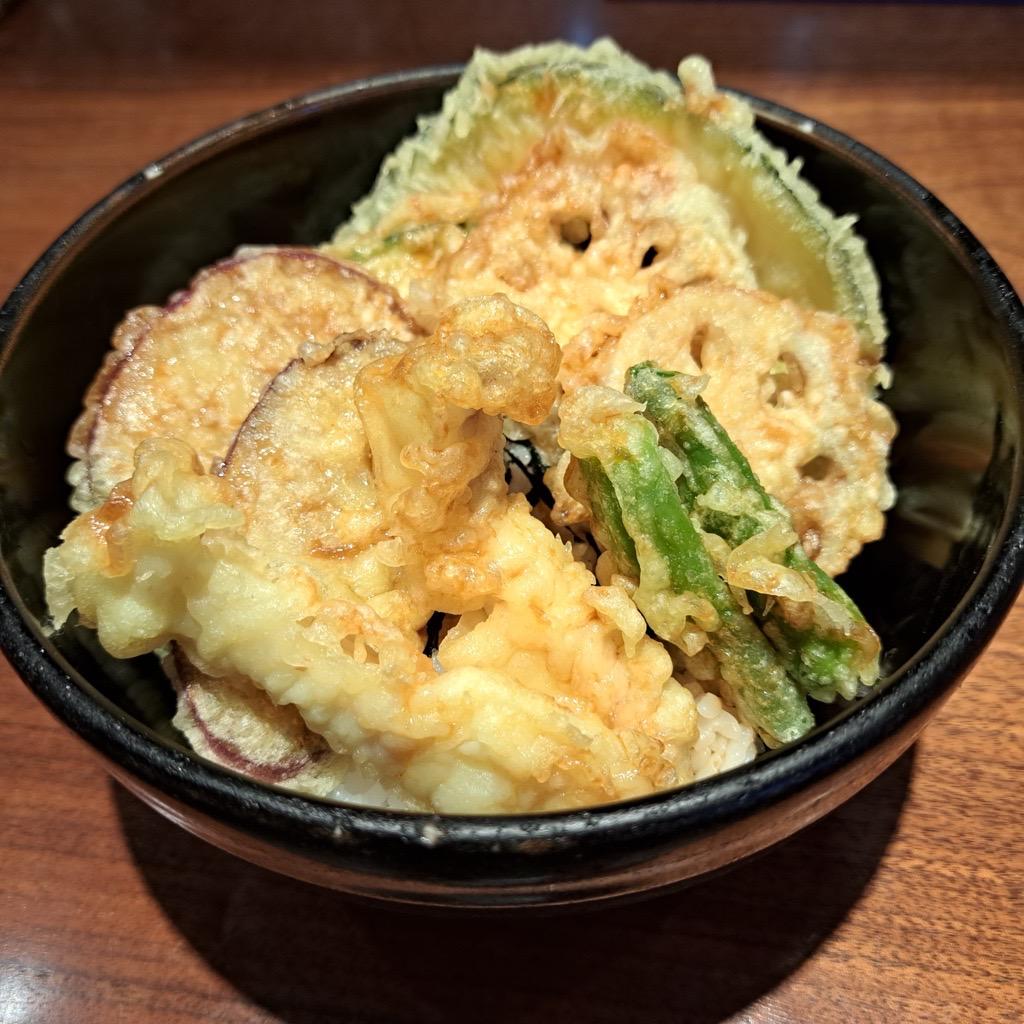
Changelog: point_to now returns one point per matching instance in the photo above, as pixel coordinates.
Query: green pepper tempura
(679, 591)
(715, 558)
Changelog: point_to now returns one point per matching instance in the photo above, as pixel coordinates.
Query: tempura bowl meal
(538, 484)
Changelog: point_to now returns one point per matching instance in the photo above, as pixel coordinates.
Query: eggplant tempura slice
(790, 387)
(195, 368)
(577, 180)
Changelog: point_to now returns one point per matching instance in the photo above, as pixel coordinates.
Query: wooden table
(905, 905)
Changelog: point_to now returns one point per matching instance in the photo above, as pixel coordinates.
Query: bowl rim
(257, 807)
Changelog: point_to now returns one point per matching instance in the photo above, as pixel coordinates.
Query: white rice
(723, 741)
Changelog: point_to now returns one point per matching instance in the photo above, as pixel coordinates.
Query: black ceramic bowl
(936, 586)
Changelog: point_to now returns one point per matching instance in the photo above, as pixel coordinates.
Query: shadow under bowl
(936, 586)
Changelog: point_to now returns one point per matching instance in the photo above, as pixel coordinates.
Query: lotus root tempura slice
(577, 179)
(792, 388)
(587, 225)
(194, 369)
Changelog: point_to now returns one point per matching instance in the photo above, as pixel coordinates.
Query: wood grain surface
(904, 905)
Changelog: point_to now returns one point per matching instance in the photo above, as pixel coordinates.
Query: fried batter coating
(549, 695)
(299, 468)
(587, 225)
(195, 368)
(433, 424)
(791, 387)
(576, 179)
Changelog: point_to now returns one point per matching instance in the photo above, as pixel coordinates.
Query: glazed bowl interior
(290, 176)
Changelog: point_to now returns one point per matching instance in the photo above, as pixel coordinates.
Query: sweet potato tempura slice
(300, 470)
(194, 369)
(233, 722)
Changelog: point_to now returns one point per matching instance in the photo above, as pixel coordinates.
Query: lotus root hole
(821, 467)
(788, 378)
(575, 232)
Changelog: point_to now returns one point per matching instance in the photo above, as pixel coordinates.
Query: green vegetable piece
(828, 654)
(639, 513)
(609, 529)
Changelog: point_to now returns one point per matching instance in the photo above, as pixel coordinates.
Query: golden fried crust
(299, 468)
(587, 225)
(554, 696)
(194, 369)
(551, 696)
(790, 386)
(489, 354)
